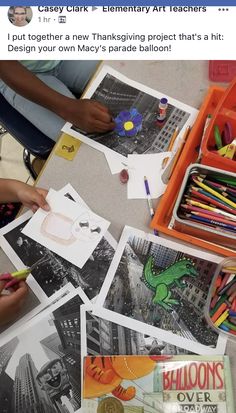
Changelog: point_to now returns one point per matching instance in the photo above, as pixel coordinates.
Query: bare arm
(26, 84)
(88, 115)
(12, 190)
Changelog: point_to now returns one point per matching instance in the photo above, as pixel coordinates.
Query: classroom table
(89, 173)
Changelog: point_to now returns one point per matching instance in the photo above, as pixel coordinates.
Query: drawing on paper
(107, 337)
(65, 231)
(128, 122)
(58, 228)
(57, 271)
(160, 282)
(105, 375)
(173, 301)
(66, 227)
(41, 366)
(141, 134)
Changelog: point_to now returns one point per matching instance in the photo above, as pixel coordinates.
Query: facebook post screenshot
(117, 206)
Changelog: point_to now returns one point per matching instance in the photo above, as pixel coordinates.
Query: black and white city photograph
(161, 287)
(138, 129)
(105, 337)
(55, 272)
(40, 369)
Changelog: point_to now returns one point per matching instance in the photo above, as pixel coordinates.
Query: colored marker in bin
(149, 201)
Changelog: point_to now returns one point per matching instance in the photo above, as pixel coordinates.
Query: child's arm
(16, 191)
(87, 114)
(11, 304)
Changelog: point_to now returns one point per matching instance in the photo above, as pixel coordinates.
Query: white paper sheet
(146, 101)
(46, 280)
(68, 229)
(40, 343)
(127, 299)
(149, 166)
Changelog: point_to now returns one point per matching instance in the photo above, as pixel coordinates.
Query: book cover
(163, 384)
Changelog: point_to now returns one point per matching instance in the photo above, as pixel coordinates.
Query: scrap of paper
(149, 165)
(68, 229)
(115, 162)
(67, 147)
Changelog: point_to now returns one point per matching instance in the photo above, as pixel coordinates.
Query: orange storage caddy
(224, 112)
(162, 220)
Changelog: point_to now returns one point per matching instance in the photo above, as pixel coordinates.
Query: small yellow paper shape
(67, 147)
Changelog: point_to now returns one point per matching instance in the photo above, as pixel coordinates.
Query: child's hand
(11, 304)
(32, 197)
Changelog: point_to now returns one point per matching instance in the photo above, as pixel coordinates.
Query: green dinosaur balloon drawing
(161, 282)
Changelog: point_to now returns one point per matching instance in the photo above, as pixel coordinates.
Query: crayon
(233, 305)
(225, 279)
(232, 297)
(218, 304)
(229, 269)
(226, 289)
(218, 313)
(222, 318)
(230, 325)
(224, 328)
(222, 307)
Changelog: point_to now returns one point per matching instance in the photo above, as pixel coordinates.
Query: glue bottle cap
(163, 101)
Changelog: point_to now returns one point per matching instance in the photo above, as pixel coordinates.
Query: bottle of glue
(162, 110)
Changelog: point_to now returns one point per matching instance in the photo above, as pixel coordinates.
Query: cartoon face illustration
(53, 378)
(58, 227)
(85, 228)
(65, 231)
(104, 374)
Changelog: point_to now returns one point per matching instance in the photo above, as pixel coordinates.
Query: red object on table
(222, 70)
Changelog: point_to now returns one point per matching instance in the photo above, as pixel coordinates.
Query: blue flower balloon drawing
(128, 122)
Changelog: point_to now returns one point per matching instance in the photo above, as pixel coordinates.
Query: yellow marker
(222, 318)
(67, 147)
(21, 275)
(211, 191)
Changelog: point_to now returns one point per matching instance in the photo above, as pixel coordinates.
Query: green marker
(217, 137)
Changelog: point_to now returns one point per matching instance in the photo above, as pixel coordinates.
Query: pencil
(217, 189)
(177, 155)
(212, 200)
(171, 144)
(207, 122)
(211, 208)
(212, 222)
(215, 193)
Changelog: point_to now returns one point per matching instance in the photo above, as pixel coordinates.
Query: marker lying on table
(14, 278)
